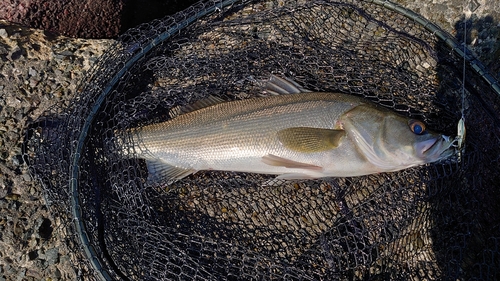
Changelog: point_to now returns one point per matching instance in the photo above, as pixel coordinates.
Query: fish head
(392, 142)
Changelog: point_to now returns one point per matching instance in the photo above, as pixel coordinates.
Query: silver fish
(304, 135)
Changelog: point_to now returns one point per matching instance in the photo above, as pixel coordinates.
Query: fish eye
(417, 127)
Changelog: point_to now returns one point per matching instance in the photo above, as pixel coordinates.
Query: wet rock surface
(88, 18)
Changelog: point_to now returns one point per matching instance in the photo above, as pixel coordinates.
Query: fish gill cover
(436, 221)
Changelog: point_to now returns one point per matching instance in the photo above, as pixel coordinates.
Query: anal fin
(161, 171)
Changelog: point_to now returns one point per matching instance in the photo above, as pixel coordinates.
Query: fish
(293, 133)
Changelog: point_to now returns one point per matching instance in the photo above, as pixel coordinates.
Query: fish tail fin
(127, 143)
(160, 171)
(122, 143)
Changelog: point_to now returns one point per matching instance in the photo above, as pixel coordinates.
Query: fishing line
(461, 122)
(463, 66)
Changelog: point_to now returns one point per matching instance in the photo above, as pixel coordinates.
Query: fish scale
(201, 135)
(301, 135)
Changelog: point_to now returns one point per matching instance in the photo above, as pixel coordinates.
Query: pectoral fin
(307, 139)
(161, 171)
(274, 160)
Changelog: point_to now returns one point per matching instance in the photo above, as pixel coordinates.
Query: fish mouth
(436, 148)
(425, 146)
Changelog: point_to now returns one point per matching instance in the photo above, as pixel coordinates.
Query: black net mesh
(437, 221)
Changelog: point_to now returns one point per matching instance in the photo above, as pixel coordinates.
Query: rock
(3, 50)
(88, 19)
(3, 193)
(3, 33)
(32, 72)
(21, 274)
(34, 274)
(52, 256)
(57, 273)
(45, 229)
(16, 53)
(27, 85)
(12, 196)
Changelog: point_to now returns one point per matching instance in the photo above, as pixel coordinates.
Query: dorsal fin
(206, 102)
(278, 86)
